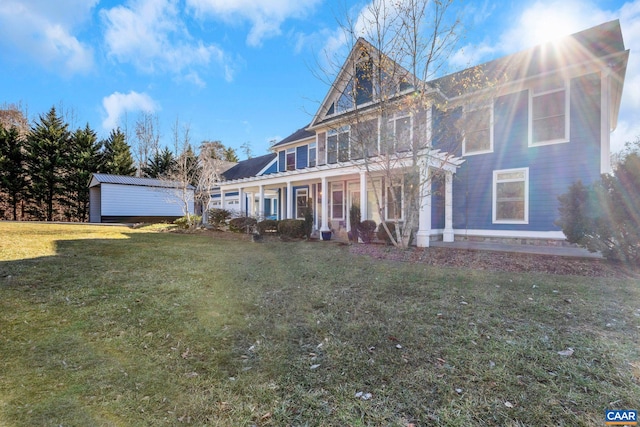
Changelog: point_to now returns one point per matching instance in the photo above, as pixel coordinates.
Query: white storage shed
(128, 199)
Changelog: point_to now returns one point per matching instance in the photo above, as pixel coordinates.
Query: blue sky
(239, 70)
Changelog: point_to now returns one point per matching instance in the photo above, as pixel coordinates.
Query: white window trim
(312, 146)
(464, 140)
(387, 202)
(300, 192)
(295, 159)
(394, 120)
(331, 189)
(567, 118)
(526, 195)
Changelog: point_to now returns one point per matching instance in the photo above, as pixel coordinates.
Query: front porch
(332, 189)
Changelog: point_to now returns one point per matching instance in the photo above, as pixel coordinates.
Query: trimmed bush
(292, 228)
(383, 235)
(242, 224)
(268, 226)
(188, 222)
(367, 230)
(218, 217)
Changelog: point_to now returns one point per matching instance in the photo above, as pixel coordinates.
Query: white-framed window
(312, 154)
(395, 202)
(291, 159)
(302, 196)
(337, 200)
(511, 196)
(401, 132)
(338, 145)
(478, 131)
(549, 112)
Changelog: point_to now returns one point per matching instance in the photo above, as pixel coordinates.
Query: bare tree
(185, 173)
(386, 96)
(147, 144)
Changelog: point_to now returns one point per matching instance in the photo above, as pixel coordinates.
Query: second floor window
(549, 112)
(338, 145)
(312, 154)
(291, 159)
(477, 133)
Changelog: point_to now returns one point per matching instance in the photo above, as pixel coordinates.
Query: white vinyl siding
(132, 200)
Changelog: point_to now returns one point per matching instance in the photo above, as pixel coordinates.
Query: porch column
(289, 201)
(241, 202)
(424, 215)
(447, 235)
(363, 195)
(261, 202)
(325, 205)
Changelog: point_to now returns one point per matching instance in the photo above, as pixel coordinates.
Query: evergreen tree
(13, 176)
(85, 159)
(160, 165)
(48, 148)
(117, 158)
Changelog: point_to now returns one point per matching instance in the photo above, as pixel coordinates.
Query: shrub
(268, 226)
(242, 224)
(218, 217)
(292, 228)
(382, 233)
(604, 216)
(188, 222)
(367, 230)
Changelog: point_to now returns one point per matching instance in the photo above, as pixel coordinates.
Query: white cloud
(42, 31)
(116, 104)
(151, 35)
(266, 16)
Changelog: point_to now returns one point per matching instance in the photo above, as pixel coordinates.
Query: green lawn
(110, 326)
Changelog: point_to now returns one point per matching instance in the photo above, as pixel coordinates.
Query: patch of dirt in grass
(498, 261)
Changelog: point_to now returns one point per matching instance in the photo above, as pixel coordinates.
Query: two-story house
(492, 158)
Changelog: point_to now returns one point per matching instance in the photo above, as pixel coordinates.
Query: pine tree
(160, 165)
(117, 158)
(85, 159)
(48, 148)
(13, 176)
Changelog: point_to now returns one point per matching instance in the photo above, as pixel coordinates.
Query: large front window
(549, 112)
(511, 196)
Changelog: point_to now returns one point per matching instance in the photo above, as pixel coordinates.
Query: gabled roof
(342, 79)
(596, 43)
(249, 168)
(298, 135)
(104, 178)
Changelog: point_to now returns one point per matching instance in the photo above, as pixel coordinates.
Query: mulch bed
(499, 261)
(477, 259)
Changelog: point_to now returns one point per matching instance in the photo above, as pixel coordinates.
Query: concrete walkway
(528, 249)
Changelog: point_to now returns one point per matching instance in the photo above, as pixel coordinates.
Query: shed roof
(105, 178)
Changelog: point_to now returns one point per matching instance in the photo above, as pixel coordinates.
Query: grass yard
(110, 326)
